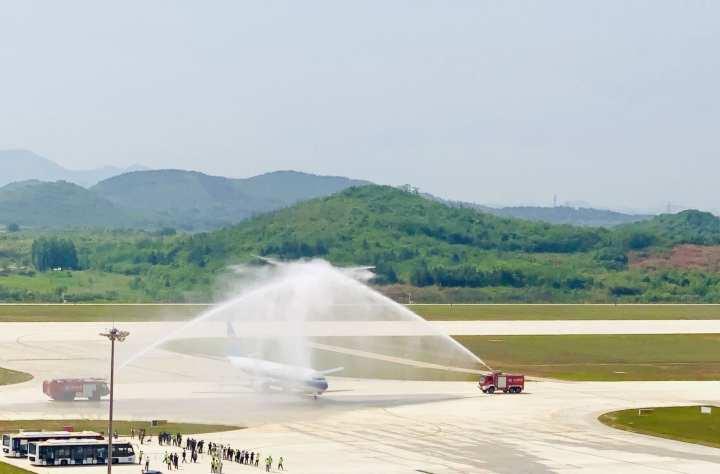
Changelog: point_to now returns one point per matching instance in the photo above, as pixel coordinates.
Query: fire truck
(70, 389)
(508, 383)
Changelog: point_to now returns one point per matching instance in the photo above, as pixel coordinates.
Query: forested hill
(370, 224)
(687, 227)
(434, 251)
(414, 241)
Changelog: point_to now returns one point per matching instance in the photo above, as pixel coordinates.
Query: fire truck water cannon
(508, 383)
(70, 389)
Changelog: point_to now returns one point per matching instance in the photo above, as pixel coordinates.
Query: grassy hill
(59, 204)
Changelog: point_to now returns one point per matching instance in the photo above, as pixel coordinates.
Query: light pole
(113, 334)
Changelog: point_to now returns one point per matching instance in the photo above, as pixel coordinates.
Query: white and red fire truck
(508, 383)
(70, 389)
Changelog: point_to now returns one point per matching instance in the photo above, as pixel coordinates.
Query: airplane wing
(331, 371)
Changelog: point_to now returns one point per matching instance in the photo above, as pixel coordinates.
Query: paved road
(361, 425)
(150, 330)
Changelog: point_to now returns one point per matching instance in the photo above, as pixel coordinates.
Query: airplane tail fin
(230, 330)
(235, 349)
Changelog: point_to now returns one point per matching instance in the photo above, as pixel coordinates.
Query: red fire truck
(508, 383)
(70, 389)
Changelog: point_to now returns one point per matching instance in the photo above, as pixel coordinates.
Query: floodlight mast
(113, 334)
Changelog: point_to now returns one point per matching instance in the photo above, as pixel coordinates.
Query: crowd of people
(222, 453)
(192, 448)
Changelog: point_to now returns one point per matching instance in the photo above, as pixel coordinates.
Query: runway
(360, 426)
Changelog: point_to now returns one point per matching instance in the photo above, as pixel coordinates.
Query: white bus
(15, 445)
(72, 452)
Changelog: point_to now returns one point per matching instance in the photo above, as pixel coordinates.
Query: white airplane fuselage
(290, 377)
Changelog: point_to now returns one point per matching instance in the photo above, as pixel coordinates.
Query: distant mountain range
(40, 193)
(23, 165)
(187, 200)
(579, 216)
(193, 200)
(582, 216)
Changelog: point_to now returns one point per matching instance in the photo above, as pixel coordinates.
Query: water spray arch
(313, 314)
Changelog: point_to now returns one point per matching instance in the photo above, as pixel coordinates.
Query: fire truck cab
(508, 383)
(70, 389)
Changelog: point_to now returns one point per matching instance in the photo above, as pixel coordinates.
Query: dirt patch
(700, 257)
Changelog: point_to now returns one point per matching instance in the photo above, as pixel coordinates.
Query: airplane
(269, 374)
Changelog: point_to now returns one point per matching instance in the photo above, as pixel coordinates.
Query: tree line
(54, 252)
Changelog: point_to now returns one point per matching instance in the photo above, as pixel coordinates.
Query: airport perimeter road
(151, 331)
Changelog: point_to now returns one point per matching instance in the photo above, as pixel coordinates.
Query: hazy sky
(611, 102)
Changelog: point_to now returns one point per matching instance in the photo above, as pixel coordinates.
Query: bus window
(62, 452)
(6, 440)
(122, 451)
(78, 453)
(101, 452)
(46, 454)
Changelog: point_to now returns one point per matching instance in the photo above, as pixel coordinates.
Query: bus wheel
(491, 390)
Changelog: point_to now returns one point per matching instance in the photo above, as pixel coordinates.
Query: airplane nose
(320, 385)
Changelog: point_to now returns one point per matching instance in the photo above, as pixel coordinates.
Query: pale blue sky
(611, 102)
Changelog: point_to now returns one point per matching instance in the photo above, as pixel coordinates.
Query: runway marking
(53, 359)
(398, 360)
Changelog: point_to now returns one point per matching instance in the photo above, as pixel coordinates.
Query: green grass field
(527, 312)
(678, 423)
(88, 285)
(577, 358)
(8, 377)
(8, 469)
(603, 357)
(97, 312)
(519, 312)
(122, 427)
